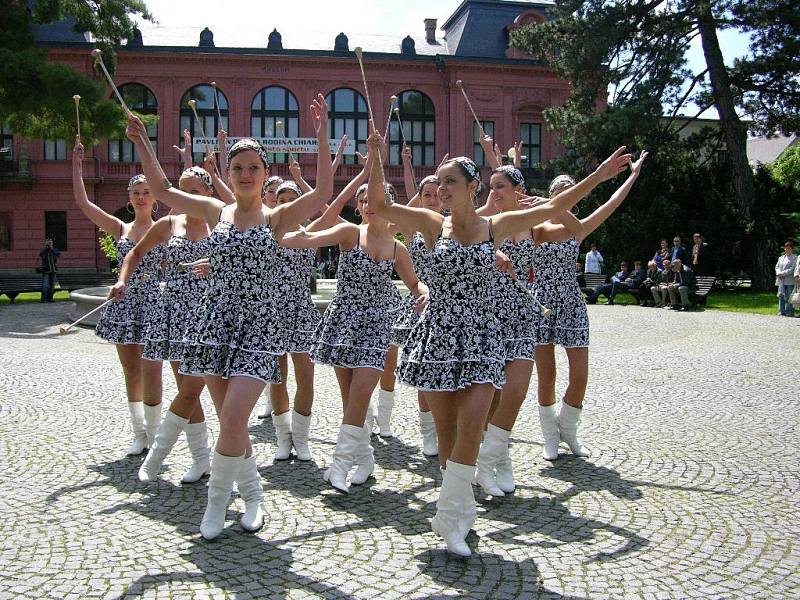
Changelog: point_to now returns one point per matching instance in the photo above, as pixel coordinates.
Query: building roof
(475, 30)
(765, 150)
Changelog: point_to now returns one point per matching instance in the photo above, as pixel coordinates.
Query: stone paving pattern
(692, 491)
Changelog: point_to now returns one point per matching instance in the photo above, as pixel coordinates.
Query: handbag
(795, 297)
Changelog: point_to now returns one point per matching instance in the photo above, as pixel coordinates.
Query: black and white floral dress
(457, 342)
(516, 307)
(127, 321)
(408, 317)
(356, 329)
(238, 330)
(300, 316)
(557, 288)
(181, 296)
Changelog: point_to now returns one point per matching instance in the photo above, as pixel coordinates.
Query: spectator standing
(683, 282)
(594, 260)
(651, 278)
(699, 257)
(785, 268)
(609, 289)
(677, 252)
(49, 256)
(662, 254)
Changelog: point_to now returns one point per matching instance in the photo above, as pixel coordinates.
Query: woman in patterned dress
(238, 333)
(300, 317)
(568, 324)
(426, 198)
(455, 352)
(185, 239)
(125, 323)
(516, 309)
(355, 332)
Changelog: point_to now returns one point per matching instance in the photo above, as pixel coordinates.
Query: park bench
(705, 283)
(592, 281)
(14, 283)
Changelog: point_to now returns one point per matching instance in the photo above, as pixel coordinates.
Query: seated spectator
(699, 258)
(609, 289)
(662, 254)
(579, 275)
(659, 289)
(683, 282)
(651, 278)
(594, 260)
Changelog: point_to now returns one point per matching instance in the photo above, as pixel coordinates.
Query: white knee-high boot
(549, 423)
(301, 424)
(489, 454)
(168, 433)
(503, 469)
(568, 421)
(343, 457)
(224, 470)
(430, 443)
(197, 439)
(385, 405)
(455, 508)
(250, 489)
(365, 455)
(139, 443)
(283, 434)
(152, 419)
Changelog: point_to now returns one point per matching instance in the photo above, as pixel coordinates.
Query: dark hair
(790, 242)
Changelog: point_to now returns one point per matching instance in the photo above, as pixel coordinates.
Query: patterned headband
(248, 144)
(429, 179)
(288, 186)
(470, 169)
(201, 174)
(135, 180)
(391, 193)
(560, 183)
(274, 179)
(514, 174)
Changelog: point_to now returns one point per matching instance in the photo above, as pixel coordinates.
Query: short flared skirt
(567, 325)
(127, 321)
(451, 348)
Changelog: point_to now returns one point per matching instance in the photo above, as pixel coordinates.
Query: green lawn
(759, 303)
(29, 297)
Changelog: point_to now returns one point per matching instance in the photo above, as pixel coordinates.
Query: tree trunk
(744, 189)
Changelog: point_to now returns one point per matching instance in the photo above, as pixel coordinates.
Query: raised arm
(344, 234)
(185, 152)
(220, 187)
(201, 207)
(108, 223)
(406, 218)
(487, 145)
(409, 181)
(222, 146)
(508, 223)
(288, 216)
(297, 175)
(594, 220)
(159, 233)
(331, 215)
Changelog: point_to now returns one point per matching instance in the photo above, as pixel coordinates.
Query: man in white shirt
(594, 260)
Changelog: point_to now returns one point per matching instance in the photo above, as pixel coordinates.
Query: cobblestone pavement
(692, 490)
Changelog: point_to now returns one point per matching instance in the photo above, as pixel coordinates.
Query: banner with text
(277, 145)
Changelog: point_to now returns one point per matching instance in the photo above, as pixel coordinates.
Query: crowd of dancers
(219, 288)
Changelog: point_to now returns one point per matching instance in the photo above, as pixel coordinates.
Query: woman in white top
(785, 269)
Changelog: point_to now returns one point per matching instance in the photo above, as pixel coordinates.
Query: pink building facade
(259, 86)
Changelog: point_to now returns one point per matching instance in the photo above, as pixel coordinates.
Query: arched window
(419, 127)
(206, 110)
(143, 101)
(270, 105)
(347, 113)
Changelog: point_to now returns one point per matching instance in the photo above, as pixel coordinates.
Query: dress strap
(219, 216)
(358, 240)
(491, 233)
(394, 254)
